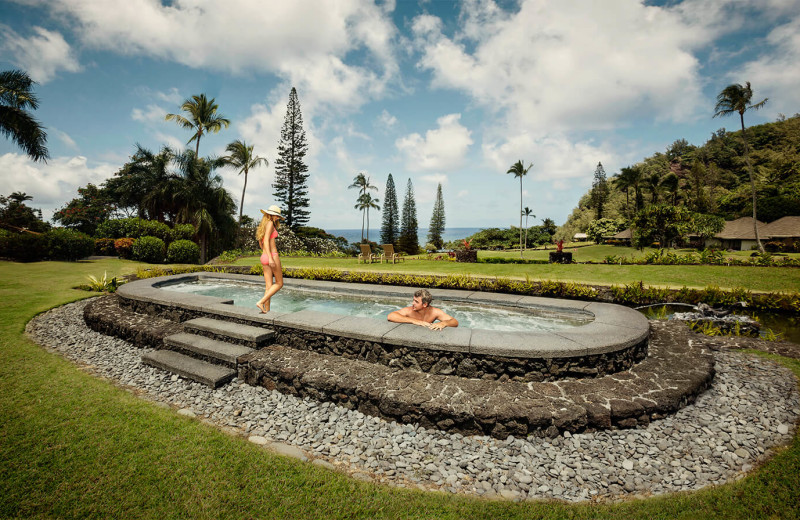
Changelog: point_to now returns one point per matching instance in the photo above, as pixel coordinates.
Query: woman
(265, 234)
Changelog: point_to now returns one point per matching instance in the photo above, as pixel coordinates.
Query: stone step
(190, 368)
(247, 335)
(206, 349)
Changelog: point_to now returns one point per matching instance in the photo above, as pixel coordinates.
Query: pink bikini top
(274, 233)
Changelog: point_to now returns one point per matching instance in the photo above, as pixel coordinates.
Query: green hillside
(711, 178)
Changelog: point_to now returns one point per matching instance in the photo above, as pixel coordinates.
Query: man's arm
(445, 320)
(402, 316)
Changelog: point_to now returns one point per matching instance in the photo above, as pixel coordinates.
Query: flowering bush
(124, 247)
(104, 247)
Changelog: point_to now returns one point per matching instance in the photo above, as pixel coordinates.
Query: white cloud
(386, 120)
(53, 184)
(556, 66)
(151, 114)
(776, 75)
(442, 149)
(306, 45)
(42, 54)
(68, 141)
(556, 159)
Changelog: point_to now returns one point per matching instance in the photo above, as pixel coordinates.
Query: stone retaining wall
(443, 362)
(677, 370)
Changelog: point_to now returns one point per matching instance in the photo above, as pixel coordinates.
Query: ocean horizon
(354, 235)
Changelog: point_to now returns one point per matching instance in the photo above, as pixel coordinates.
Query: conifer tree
(390, 228)
(290, 185)
(409, 242)
(599, 190)
(436, 227)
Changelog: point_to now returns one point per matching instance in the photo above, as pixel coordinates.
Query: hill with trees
(711, 179)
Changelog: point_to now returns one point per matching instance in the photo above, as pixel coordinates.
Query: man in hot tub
(420, 312)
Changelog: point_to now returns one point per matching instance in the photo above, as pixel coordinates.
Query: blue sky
(432, 91)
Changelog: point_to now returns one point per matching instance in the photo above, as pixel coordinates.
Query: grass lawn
(72, 445)
(761, 279)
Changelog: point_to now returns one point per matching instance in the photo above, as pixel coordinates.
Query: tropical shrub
(182, 232)
(104, 247)
(22, 247)
(66, 244)
(124, 247)
(149, 249)
(183, 252)
(137, 228)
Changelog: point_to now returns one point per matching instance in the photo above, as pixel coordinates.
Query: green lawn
(761, 279)
(72, 445)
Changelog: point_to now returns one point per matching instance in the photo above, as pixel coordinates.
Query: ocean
(354, 235)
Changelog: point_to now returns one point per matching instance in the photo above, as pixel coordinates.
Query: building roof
(740, 229)
(786, 227)
(623, 235)
(578, 236)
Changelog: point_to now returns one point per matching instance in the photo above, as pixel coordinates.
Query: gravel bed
(752, 407)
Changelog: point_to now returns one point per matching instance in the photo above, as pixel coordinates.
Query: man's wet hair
(424, 295)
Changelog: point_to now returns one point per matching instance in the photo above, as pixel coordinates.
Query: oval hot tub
(590, 338)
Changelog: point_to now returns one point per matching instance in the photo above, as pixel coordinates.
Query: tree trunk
(520, 216)
(752, 183)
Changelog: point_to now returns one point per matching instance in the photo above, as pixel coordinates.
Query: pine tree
(436, 227)
(390, 228)
(291, 190)
(409, 242)
(599, 190)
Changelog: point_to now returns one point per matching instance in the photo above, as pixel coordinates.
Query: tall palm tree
(653, 182)
(361, 183)
(200, 197)
(202, 118)
(672, 185)
(16, 122)
(365, 202)
(736, 98)
(519, 170)
(241, 156)
(527, 212)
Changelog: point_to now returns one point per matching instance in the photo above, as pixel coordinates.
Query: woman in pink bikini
(265, 234)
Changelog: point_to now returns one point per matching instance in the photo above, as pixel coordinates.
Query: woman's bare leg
(273, 287)
(263, 303)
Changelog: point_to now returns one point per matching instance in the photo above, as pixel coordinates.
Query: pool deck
(614, 328)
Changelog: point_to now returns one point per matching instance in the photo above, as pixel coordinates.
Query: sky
(431, 91)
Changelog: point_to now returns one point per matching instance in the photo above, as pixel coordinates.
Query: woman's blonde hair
(262, 226)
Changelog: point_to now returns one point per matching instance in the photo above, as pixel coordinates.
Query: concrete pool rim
(615, 329)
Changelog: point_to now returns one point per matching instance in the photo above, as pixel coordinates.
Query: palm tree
(672, 184)
(736, 98)
(361, 182)
(202, 118)
(241, 156)
(519, 170)
(16, 121)
(146, 183)
(652, 182)
(527, 213)
(365, 202)
(200, 197)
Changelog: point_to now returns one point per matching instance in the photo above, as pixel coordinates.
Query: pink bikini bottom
(265, 258)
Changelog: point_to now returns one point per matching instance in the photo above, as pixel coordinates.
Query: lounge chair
(366, 254)
(389, 254)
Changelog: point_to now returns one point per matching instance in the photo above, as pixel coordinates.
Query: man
(421, 313)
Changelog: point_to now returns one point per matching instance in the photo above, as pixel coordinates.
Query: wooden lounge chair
(366, 254)
(389, 254)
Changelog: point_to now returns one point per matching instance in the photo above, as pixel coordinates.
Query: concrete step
(190, 368)
(206, 349)
(247, 335)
